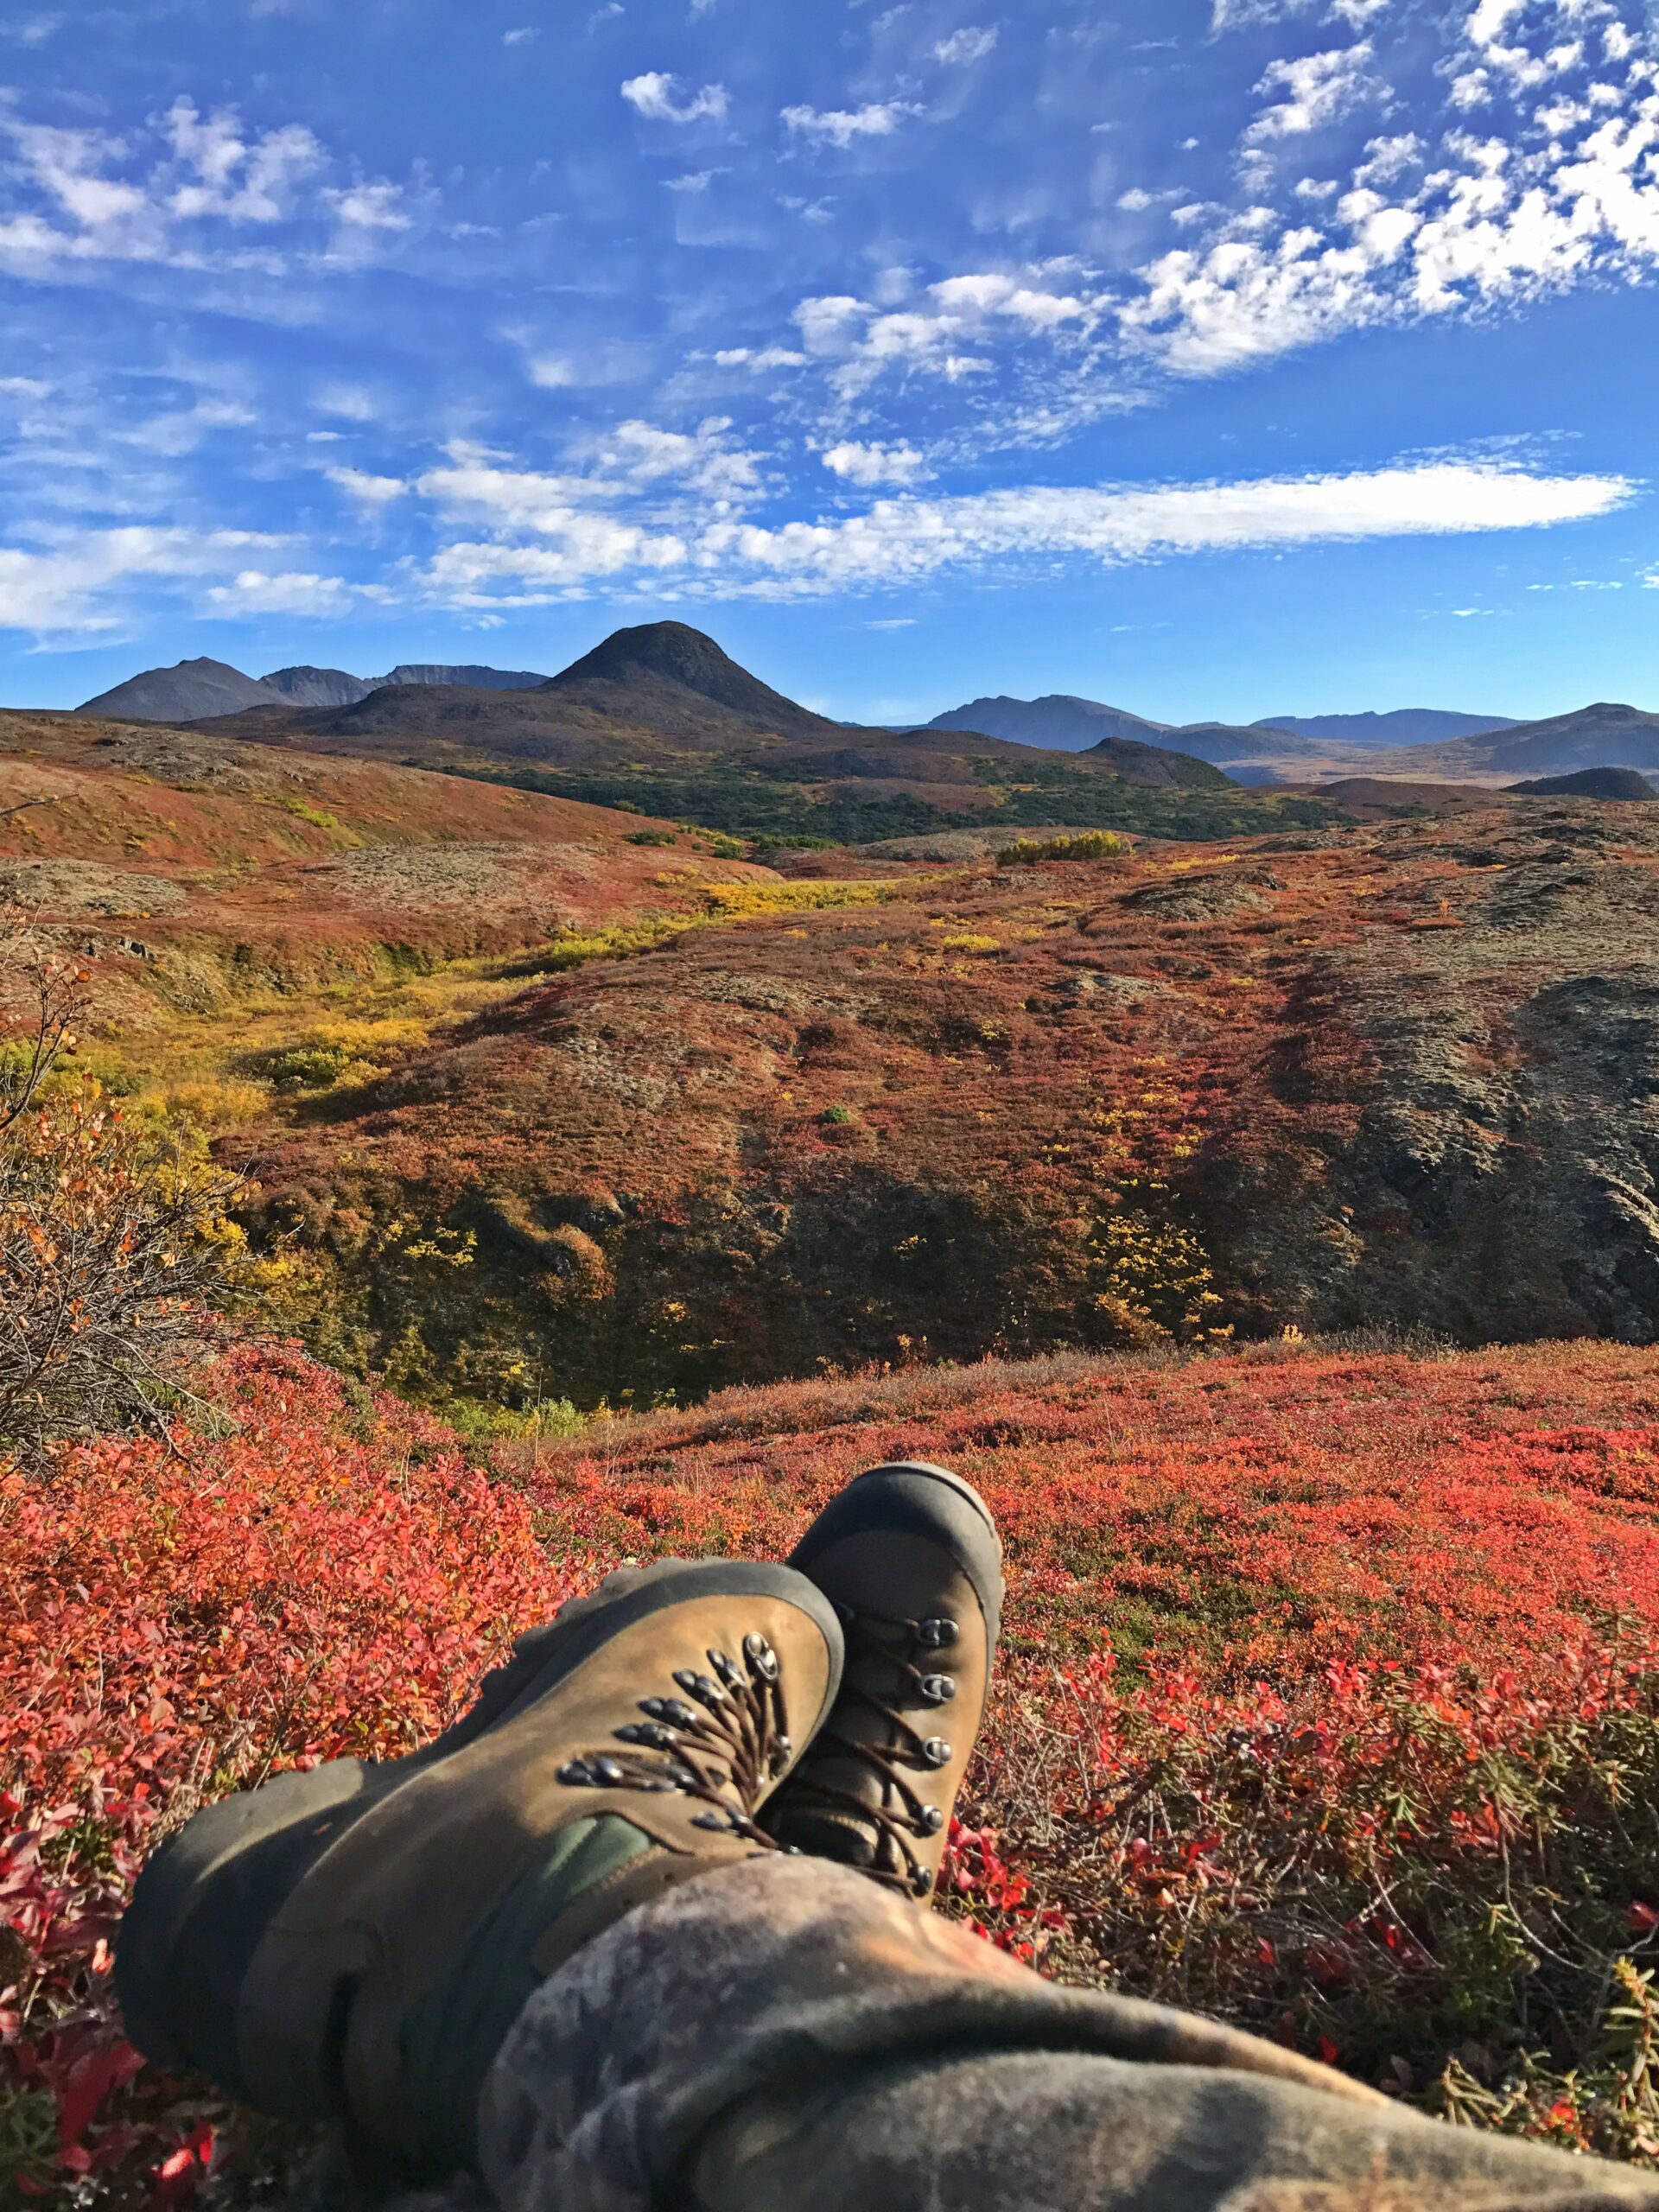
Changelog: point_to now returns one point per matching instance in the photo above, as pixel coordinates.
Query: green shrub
(307, 1067)
(653, 838)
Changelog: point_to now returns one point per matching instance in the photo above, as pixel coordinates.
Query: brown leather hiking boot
(909, 1556)
(354, 1943)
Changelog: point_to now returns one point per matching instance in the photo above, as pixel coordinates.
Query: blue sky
(1216, 357)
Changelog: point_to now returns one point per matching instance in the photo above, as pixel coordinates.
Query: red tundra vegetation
(1396, 1076)
(1330, 1701)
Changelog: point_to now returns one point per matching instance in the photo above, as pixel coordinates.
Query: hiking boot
(908, 1554)
(354, 1943)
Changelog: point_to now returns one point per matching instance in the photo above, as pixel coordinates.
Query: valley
(547, 1096)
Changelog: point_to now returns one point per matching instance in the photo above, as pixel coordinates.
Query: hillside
(659, 718)
(1593, 737)
(1590, 783)
(203, 879)
(1604, 735)
(1393, 1075)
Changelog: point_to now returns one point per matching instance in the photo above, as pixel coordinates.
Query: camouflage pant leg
(784, 2036)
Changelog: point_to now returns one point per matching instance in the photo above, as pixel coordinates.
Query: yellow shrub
(215, 1107)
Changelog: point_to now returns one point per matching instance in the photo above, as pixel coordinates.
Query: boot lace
(899, 1812)
(725, 1741)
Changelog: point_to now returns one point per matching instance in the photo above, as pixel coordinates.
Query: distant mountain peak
(305, 686)
(1058, 721)
(469, 675)
(1398, 726)
(190, 690)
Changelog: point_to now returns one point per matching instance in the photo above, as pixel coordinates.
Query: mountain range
(196, 691)
(657, 718)
(1068, 724)
(1401, 726)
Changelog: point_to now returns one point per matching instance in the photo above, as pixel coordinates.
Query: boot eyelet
(938, 1689)
(576, 1774)
(930, 1820)
(937, 1752)
(921, 1883)
(939, 1635)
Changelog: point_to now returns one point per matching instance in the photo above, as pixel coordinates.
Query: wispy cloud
(255, 591)
(971, 43)
(656, 96)
(841, 126)
(368, 490)
(553, 539)
(81, 580)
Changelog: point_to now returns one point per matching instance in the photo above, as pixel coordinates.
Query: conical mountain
(189, 691)
(667, 676)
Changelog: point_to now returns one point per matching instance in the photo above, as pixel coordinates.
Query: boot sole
(201, 1903)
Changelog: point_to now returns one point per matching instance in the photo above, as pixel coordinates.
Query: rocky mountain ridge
(202, 689)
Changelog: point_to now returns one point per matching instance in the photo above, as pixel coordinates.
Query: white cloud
(758, 357)
(893, 622)
(252, 591)
(1242, 15)
(840, 127)
(522, 34)
(702, 458)
(79, 581)
(352, 402)
(242, 177)
(32, 30)
(1387, 158)
(371, 491)
(182, 430)
(875, 464)
(694, 181)
(369, 207)
(907, 539)
(634, 457)
(1317, 88)
(971, 43)
(655, 97)
(937, 334)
